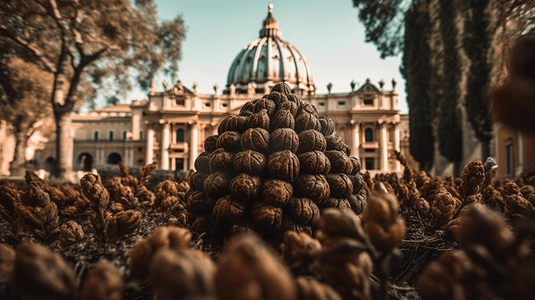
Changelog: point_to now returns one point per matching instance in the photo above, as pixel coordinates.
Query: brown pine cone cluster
(272, 168)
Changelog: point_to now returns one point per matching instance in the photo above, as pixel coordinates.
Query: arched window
(114, 158)
(368, 135)
(180, 135)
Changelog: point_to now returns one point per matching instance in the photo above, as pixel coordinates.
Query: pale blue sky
(327, 33)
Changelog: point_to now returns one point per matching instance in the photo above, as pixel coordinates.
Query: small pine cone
(306, 107)
(228, 211)
(483, 226)
(283, 139)
(436, 283)
(256, 139)
(277, 97)
(210, 143)
(473, 177)
(68, 211)
(343, 264)
(314, 162)
(38, 272)
(338, 203)
(230, 141)
(283, 165)
(234, 123)
(314, 187)
(163, 237)
(299, 248)
(443, 207)
(282, 88)
(103, 282)
(116, 207)
(305, 121)
(145, 173)
(7, 260)
(250, 162)
(259, 119)
(289, 224)
(122, 223)
(247, 109)
(30, 176)
(327, 126)
(96, 193)
(196, 181)
(516, 204)
(70, 232)
(182, 274)
(357, 203)
(335, 142)
(290, 106)
(8, 197)
(266, 217)
(198, 203)
(340, 162)
(282, 119)
(340, 185)
(276, 192)
(202, 224)
(383, 226)
(264, 103)
(202, 162)
(145, 196)
(245, 188)
(303, 210)
(356, 165)
(37, 211)
(339, 223)
(309, 288)
(121, 193)
(248, 262)
(311, 140)
(217, 185)
(221, 160)
(169, 203)
(422, 206)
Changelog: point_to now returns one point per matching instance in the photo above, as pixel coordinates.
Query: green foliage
(99, 42)
(477, 44)
(416, 70)
(383, 22)
(450, 135)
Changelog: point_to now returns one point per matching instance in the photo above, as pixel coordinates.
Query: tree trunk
(64, 146)
(18, 165)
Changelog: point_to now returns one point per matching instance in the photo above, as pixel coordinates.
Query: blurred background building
(170, 127)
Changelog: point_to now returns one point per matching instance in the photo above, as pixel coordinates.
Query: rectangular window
(368, 102)
(341, 104)
(111, 135)
(95, 135)
(124, 135)
(509, 156)
(321, 105)
(224, 104)
(141, 135)
(370, 163)
(179, 164)
(207, 104)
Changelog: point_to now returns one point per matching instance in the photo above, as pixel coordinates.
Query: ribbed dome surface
(269, 60)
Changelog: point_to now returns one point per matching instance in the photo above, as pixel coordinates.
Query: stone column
(150, 146)
(194, 143)
(100, 156)
(383, 147)
(129, 153)
(164, 147)
(355, 147)
(397, 147)
(520, 166)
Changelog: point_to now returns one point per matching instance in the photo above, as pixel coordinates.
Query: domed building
(268, 60)
(169, 128)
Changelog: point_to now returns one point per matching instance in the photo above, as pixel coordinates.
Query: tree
(25, 104)
(416, 69)
(89, 41)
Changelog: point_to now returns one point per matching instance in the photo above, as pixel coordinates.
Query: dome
(269, 60)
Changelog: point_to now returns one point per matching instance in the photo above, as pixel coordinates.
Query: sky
(327, 33)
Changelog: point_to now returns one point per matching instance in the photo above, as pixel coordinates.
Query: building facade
(170, 127)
